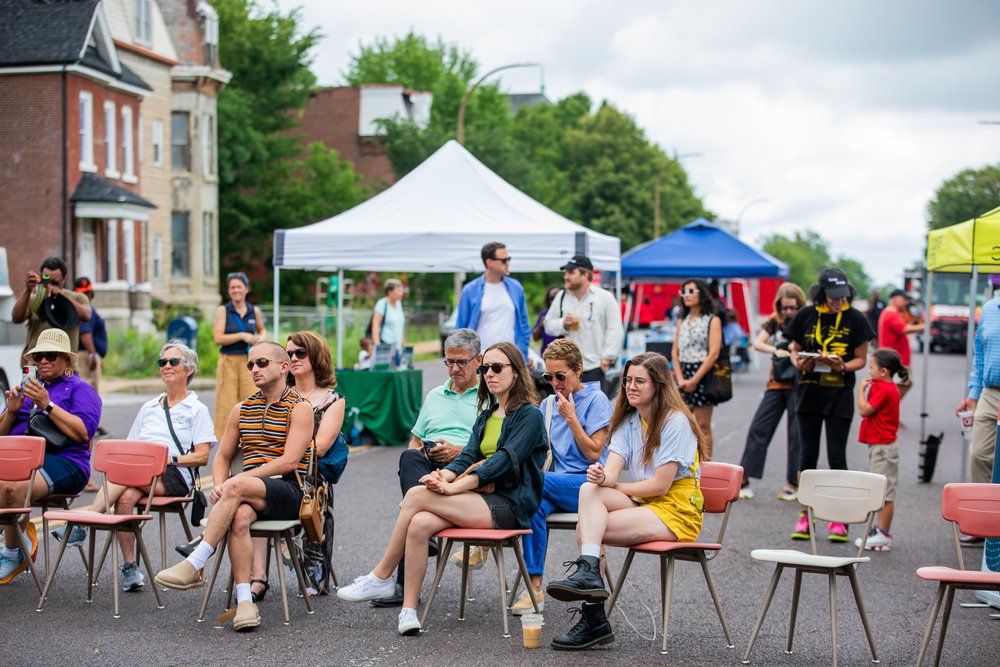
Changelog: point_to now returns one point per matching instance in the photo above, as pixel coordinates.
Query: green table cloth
(389, 401)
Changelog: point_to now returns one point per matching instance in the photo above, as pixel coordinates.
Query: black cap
(899, 292)
(834, 283)
(60, 312)
(578, 262)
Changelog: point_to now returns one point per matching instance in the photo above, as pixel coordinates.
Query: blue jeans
(560, 493)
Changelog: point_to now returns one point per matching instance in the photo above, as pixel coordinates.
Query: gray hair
(188, 356)
(467, 339)
(392, 283)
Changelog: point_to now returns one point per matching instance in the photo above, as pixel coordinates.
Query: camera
(45, 279)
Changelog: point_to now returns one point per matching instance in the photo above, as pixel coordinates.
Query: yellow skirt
(681, 509)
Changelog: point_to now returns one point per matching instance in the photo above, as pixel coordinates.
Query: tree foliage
(807, 253)
(968, 194)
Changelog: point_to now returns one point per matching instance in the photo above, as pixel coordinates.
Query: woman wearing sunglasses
(176, 418)
(577, 418)
(656, 438)
(238, 325)
(508, 446)
(74, 408)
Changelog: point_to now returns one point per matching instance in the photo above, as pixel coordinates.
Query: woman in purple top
(74, 407)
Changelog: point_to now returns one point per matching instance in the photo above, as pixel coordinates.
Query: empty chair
(20, 458)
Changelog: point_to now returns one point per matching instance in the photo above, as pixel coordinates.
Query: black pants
(774, 404)
(837, 432)
(412, 466)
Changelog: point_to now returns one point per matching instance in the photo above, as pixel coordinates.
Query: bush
(132, 354)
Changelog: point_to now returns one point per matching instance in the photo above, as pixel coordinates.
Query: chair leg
(163, 540)
(945, 617)
(465, 580)
(104, 555)
(715, 599)
(852, 576)
(113, 539)
(25, 552)
(609, 573)
(796, 589)
(141, 545)
(667, 579)
(930, 623)
(763, 611)
(621, 580)
(220, 551)
(185, 525)
(297, 566)
(441, 564)
(51, 575)
(502, 581)
(45, 538)
(833, 614)
(523, 570)
(515, 587)
(91, 573)
(276, 544)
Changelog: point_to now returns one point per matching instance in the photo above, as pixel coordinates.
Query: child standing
(365, 355)
(880, 420)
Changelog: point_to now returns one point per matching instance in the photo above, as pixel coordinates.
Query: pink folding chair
(975, 510)
(21, 456)
(720, 484)
(128, 463)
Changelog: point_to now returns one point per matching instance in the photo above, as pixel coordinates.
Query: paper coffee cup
(966, 418)
(531, 630)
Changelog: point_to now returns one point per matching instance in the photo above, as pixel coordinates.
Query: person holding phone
(829, 344)
(47, 284)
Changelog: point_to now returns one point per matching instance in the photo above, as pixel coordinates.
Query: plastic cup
(531, 630)
(966, 418)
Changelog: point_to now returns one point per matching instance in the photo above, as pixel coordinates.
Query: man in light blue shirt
(493, 304)
(984, 393)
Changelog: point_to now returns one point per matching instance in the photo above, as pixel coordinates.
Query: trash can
(184, 329)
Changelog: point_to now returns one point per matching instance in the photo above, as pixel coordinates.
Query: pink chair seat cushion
(951, 575)
(160, 502)
(94, 518)
(659, 546)
(480, 533)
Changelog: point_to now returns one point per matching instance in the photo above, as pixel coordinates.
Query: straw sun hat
(53, 340)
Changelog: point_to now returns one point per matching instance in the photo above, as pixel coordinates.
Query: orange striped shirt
(264, 429)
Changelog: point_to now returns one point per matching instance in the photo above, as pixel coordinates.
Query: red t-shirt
(881, 427)
(890, 334)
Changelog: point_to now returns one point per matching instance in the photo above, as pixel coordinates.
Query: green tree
(267, 179)
(807, 253)
(964, 196)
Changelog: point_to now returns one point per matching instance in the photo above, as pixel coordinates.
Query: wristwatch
(48, 408)
(173, 459)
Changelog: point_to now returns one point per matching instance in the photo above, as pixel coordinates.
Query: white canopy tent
(435, 220)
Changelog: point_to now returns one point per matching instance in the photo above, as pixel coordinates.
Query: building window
(140, 141)
(128, 241)
(207, 247)
(87, 132)
(180, 141)
(111, 256)
(157, 258)
(208, 143)
(110, 141)
(210, 31)
(180, 255)
(143, 21)
(158, 143)
(128, 149)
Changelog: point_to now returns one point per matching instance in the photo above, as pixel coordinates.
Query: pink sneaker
(801, 531)
(837, 533)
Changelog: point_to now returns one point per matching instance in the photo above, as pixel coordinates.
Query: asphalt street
(70, 631)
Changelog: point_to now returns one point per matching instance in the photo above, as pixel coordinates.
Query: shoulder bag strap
(549, 458)
(195, 471)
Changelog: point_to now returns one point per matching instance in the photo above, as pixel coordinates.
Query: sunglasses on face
(688, 292)
(47, 356)
(497, 368)
(638, 383)
(461, 363)
(789, 308)
(173, 362)
(505, 260)
(559, 376)
(300, 353)
(260, 363)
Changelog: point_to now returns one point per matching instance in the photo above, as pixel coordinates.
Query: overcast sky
(845, 117)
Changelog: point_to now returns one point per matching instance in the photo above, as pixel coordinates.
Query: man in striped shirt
(274, 427)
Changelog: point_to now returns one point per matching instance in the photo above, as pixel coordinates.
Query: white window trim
(110, 141)
(128, 239)
(208, 147)
(157, 258)
(143, 18)
(87, 138)
(128, 147)
(157, 141)
(111, 258)
(140, 146)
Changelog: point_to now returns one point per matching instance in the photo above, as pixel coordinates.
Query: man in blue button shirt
(984, 392)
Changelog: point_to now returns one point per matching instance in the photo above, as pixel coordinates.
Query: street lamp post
(759, 200)
(460, 133)
(656, 192)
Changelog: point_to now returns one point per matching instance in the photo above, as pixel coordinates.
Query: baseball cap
(83, 285)
(834, 283)
(578, 262)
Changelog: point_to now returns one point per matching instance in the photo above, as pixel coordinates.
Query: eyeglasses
(47, 356)
(176, 361)
(505, 260)
(638, 383)
(789, 308)
(688, 292)
(300, 353)
(461, 363)
(559, 376)
(261, 363)
(497, 368)
(240, 275)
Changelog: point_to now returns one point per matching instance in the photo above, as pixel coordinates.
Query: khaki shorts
(884, 460)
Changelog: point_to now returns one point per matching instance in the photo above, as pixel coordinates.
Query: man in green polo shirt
(446, 417)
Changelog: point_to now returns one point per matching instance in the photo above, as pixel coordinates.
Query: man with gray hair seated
(445, 420)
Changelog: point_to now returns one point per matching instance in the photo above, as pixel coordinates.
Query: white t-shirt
(677, 443)
(496, 316)
(192, 424)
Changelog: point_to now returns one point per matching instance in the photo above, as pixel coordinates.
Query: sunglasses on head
(238, 275)
(47, 356)
(461, 363)
(176, 361)
(559, 376)
(300, 353)
(497, 368)
(260, 363)
(505, 260)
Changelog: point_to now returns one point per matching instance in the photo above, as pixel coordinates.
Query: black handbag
(42, 426)
(782, 368)
(717, 384)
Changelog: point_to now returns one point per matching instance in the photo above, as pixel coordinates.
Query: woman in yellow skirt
(655, 436)
(238, 325)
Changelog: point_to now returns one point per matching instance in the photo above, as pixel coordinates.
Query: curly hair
(563, 349)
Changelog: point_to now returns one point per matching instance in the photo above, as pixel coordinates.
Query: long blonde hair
(666, 401)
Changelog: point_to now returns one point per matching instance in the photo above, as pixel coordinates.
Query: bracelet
(604, 478)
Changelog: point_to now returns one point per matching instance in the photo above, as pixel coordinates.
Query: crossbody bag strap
(549, 458)
(195, 471)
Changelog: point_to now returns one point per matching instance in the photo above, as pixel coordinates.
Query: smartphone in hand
(28, 373)
(428, 446)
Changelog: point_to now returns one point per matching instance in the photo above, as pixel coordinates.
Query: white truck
(12, 336)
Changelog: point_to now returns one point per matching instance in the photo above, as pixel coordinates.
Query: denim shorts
(62, 475)
(501, 511)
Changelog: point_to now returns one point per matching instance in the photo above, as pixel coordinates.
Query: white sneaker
(367, 587)
(877, 541)
(746, 492)
(409, 624)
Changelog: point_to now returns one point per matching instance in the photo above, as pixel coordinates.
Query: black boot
(396, 599)
(584, 584)
(591, 630)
